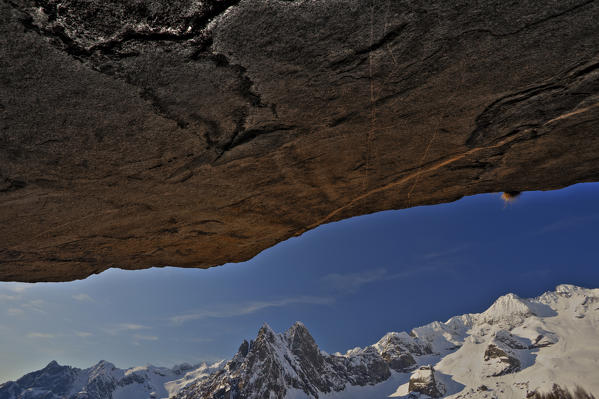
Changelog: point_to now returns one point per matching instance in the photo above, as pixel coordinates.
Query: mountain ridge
(514, 348)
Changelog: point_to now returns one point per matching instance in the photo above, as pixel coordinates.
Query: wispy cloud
(19, 308)
(36, 305)
(83, 298)
(36, 335)
(17, 287)
(83, 334)
(446, 253)
(141, 337)
(14, 311)
(240, 309)
(131, 326)
(567, 223)
(351, 282)
(8, 297)
(11, 291)
(124, 327)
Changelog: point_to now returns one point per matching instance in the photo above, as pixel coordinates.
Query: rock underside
(138, 133)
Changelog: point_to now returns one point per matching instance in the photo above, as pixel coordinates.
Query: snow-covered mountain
(516, 347)
(105, 381)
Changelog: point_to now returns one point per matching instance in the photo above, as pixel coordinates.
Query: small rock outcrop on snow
(500, 361)
(423, 381)
(501, 354)
(398, 350)
(515, 348)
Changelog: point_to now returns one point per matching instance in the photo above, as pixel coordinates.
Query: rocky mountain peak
(53, 365)
(507, 308)
(298, 326)
(434, 360)
(103, 369)
(55, 377)
(265, 332)
(244, 348)
(300, 341)
(103, 364)
(569, 290)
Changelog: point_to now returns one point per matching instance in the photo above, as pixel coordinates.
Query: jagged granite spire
(526, 339)
(275, 364)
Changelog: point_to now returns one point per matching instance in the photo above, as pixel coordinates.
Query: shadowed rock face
(423, 381)
(275, 364)
(510, 364)
(136, 134)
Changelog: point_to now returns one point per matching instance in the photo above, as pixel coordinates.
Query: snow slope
(105, 381)
(554, 337)
(515, 347)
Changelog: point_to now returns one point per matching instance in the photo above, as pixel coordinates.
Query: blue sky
(349, 282)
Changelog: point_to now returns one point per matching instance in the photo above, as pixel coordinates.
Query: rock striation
(136, 133)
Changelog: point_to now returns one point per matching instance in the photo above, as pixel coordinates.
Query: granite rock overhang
(136, 134)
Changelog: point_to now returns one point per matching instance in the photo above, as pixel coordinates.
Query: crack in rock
(536, 107)
(231, 123)
(99, 35)
(84, 28)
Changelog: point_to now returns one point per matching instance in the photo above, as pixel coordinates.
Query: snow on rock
(499, 361)
(104, 381)
(423, 381)
(277, 365)
(515, 347)
(396, 348)
(439, 338)
(507, 311)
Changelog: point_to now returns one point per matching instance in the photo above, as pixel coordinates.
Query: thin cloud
(83, 298)
(83, 334)
(248, 308)
(351, 282)
(14, 311)
(7, 297)
(12, 291)
(125, 327)
(36, 335)
(446, 253)
(131, 327)
(17, 287)
(141, 337)
(567, 223)
(35, 305)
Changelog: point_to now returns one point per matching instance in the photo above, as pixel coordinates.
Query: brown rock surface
(136, 134)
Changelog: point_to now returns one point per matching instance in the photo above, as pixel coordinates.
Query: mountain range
(514, 349)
